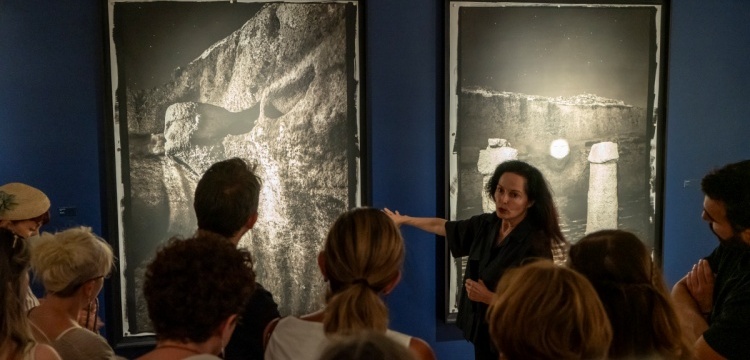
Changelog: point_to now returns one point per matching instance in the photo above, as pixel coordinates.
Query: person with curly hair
(195, 290)
(16, 341)
(72, 265)
(631, 287)
(524, 225)
(543, 311)
(361, 261)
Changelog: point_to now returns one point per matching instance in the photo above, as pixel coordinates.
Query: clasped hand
(700, 284)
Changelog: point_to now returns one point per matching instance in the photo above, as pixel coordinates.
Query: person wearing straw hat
(23, 211)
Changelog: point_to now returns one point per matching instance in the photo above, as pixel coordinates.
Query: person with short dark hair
(524, 225)
(632, 290)
(713, 299)
(195, 290)
(226, 203)
(543, 311)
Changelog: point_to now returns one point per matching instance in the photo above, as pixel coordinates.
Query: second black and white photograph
(572, 89)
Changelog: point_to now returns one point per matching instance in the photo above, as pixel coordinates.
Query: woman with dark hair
(361, 261)
(16, 341)
(23, 211)
(524, 225)
(643, 319)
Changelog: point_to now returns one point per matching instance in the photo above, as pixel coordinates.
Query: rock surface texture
(275, 92)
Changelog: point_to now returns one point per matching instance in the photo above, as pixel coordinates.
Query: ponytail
(356, 307)
(363, 254)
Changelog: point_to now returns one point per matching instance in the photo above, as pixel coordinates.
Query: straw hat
(21, 202)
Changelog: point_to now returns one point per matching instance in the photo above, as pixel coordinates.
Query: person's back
(226, 203)
(361, 261)
(631, 289)
(368, 345)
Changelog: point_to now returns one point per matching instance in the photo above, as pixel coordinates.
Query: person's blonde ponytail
(363, 255)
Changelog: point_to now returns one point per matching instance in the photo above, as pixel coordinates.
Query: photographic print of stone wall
(273, 83)
(572, 90)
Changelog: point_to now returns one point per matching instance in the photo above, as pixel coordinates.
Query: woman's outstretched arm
(431, 225)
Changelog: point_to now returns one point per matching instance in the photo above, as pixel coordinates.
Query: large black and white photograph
(195, 82)
(573, 89)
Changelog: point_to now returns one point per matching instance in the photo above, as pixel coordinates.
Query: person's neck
(172, 349)
(235, 239)
(63, 307)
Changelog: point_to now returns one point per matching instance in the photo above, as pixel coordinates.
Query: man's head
(23, 209)
(226, 198)
(726, 206)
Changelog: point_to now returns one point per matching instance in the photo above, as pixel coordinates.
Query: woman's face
(24, 228)
(511, 200)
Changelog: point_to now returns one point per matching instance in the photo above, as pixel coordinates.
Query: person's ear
(226, 329)
(392, 285)
(251, 220)
(88, 289)
(322, 265)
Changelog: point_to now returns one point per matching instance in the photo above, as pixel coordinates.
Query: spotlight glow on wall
(559, 148)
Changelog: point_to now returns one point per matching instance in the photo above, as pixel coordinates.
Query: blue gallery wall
(50, 103)
(708, 117)
(51, 109)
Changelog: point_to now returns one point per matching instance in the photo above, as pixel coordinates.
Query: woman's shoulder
(479, 219)
(421, 349)
(84, 341)
(44, 352)
(203, 357)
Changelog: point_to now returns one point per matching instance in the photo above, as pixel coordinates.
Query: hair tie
(361, 281)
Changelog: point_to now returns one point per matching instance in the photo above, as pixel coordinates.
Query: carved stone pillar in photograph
(602, 196)
(497, 151)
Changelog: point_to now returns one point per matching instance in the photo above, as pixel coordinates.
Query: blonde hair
(67, 259)
(544, 311)
(363, 255)
(15, 334)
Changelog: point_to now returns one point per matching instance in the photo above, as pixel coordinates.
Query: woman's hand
(478, 292)
(88, 318)
(397, 218)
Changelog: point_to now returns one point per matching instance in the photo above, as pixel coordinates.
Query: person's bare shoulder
(45, 352)
(421, 349)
